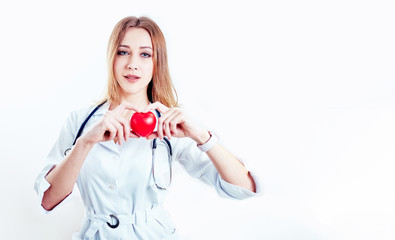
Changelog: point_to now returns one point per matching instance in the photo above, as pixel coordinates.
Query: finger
(160, 128)
(117, 116)
(163, 122)
(110, 131)
(125, 126)
(129, 106)
(177, 119)
(152, 136)
(120, 109)
(157, 106)
(169, 112)
(120, 132)
(119, 129)
(111, 122)
(169, 120)
(167, 130)
(133, 135)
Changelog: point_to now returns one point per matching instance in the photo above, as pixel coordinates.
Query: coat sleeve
(199, 165)
(56, 155)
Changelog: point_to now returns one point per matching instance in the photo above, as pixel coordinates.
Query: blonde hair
(161, 87)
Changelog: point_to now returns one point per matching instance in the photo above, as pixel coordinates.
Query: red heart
(143, 124)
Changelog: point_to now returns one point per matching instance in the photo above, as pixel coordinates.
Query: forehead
(136, 37)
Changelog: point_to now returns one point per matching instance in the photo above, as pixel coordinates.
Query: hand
(113, 126)
(174, 123)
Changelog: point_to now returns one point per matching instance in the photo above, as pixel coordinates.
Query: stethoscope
(154, 147)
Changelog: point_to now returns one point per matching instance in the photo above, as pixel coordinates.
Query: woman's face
(133, 64)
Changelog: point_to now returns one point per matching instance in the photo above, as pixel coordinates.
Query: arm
(174, 123)
(63, 175)
(228, 166)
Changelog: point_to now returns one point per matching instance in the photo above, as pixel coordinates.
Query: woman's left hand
(174, 123)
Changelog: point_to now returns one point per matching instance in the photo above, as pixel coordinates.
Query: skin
(135, 57)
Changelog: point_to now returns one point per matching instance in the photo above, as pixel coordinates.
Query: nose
(133, 63)
(132, 67)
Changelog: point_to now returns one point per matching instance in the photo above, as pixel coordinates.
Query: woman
(121, 181)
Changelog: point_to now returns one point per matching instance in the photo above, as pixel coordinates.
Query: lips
(132, 78)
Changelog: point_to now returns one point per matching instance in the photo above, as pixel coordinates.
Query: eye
(146, 55)
(122, 53)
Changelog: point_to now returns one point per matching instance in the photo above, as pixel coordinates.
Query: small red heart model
(143, 124)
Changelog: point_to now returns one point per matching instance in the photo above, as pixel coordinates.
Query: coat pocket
(164, 222)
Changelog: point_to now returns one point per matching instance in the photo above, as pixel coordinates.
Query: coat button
(112, 187)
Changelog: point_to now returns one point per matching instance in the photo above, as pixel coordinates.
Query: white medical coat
(118, 180)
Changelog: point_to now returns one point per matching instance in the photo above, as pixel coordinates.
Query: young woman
(122, 177)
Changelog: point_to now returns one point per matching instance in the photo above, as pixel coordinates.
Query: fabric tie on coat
(100, 220)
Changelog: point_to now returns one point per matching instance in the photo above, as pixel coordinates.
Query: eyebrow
(142, 47)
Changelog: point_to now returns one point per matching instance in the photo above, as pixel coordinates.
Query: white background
(303, 91)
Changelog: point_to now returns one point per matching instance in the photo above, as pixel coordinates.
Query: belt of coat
(98, 220)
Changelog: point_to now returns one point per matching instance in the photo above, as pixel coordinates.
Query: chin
(132, 91)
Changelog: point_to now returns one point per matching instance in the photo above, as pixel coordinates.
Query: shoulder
(77, 116)
(92, 113)
(94, 109)
(80, 113)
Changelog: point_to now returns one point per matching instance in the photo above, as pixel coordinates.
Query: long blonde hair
(161, 87)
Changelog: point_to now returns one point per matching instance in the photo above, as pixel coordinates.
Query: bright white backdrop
(303, 91)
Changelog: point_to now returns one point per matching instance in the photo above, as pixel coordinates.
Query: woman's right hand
(113, 126)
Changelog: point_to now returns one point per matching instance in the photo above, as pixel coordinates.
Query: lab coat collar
(111, 145)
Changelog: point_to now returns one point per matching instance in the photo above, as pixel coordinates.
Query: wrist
(80, 143)
(202, 137)
(209, 144)
(85, 143)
